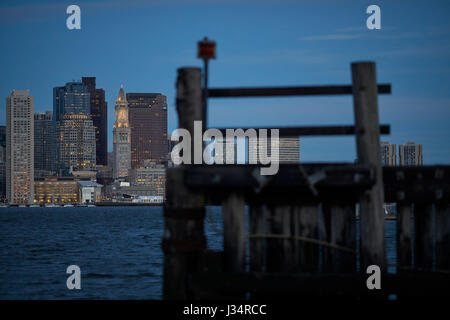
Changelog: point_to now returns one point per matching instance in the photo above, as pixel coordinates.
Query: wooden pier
(302, 221)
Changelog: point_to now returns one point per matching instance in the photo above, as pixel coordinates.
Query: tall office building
(288, 150)
(73, 98)
(410, 154)
(76, 143)
(388, 154)
(71, 106)
(2, 163)
(44, 154)
(2, 143)
(148, 123)
(20, 147)
(121, 136)
(99, 113)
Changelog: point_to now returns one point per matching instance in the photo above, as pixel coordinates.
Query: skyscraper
(388, 154)
(76, 143)
(2, 163)
(288, 150)
(99, 113)
(2, 143)
(121, 136)
(410, 154)
(20, 147)
(71, 107)
(44, 153)
(148, 123)
(73, 98)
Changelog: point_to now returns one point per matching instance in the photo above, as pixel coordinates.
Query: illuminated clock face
(122, 115)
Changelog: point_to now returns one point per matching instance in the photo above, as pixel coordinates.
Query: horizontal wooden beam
(417, 184)
(334, 182)
(314, 130)
(292, 184)
(288, 91)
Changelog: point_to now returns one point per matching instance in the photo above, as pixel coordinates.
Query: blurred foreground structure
(302, 221)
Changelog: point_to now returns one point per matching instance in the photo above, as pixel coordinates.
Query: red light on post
(206, 49)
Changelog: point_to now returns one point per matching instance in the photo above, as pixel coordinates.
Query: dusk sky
(140, 44)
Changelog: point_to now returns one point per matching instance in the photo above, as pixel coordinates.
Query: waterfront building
(148, 123)
(89, 191)
(104, 175)
(2, 164)
(410, 154)
(121, 138)
(54, 190)
(76, 143)
(44, 153)
(20, 147)
(388, 154)
(152, 175)
(99, 114)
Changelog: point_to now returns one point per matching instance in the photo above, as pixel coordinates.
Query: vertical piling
(233, 212)
(404, 247)
(365, 101)
(443, 236)
(340, 223)
(256, 244)
(184, 211)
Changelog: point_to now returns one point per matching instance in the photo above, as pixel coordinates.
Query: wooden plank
(425, 184)
(443, 237)
(404, 247)
(289, 91)
(273, 245)
(295, 231)
(287, 259)
(368, 149)
(308, 228)
(233, 212)
(312, 130)
(340, 226)
(256, 244)
(423, 232)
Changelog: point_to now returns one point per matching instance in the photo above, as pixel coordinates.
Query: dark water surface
(118, 250)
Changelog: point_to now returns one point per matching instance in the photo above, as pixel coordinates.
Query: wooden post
(404, 253)
(273, 226)
(256, 244)
(340, 226)
(183, 239)
(233, 212)
(308, 228)
(443, 236)
(279, 250)
(295, 231)
(368, 149)
(287, 259)
(423, 244)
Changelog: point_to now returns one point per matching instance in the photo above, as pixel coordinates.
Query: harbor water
(118, 250)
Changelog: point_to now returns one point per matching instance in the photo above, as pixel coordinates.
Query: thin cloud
(334, 36)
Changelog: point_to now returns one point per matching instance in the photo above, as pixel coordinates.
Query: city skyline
(412, 57)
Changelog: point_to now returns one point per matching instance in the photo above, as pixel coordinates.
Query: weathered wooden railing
(302, 230)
